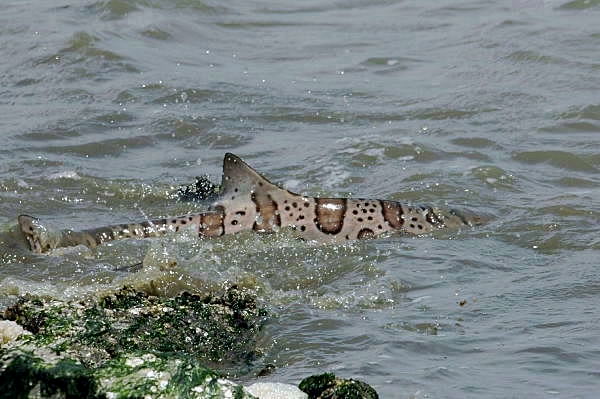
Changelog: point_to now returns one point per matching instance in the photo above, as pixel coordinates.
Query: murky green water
(106, 106)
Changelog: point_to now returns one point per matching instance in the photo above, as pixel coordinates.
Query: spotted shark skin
(248, 201)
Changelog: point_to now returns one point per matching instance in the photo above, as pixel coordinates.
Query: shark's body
(248, 201)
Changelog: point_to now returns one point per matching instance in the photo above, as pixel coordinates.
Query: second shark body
(248, 201)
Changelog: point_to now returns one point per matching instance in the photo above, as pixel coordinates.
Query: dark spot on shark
(414, 219)
(287, 208)
(379, 227)
(295, 204)
(241, 213)
(392, 213)
(360, 219)
(236, 190)
(212, 224)
(432, 218)
(370, 218)
(190, 218)
(267, 209)
(330, 214)
(355, 212)
(183, 222)
(306, 204)
(302, 228)
(234, 222)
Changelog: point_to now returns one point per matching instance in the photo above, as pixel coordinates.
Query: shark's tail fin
(37, 235)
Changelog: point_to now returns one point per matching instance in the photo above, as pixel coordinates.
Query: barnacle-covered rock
(130, 344)
(328, 386)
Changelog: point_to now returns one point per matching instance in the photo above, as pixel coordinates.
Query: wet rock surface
(203, 189)
(328, 386)
(130, 344)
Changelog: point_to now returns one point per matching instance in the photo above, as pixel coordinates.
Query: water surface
(493, 106)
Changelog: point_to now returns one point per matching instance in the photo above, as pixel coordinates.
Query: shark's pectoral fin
(36, 234)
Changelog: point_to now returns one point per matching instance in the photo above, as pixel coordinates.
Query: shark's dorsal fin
(248, 200)
(240, 178)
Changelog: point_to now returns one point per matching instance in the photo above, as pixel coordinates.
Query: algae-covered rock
(201, 190)
(328, 386)
(130, 345)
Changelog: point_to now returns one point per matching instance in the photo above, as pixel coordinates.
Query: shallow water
(493, 106)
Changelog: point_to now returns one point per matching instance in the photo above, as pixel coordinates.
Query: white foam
(67, 174)
(9, 331)
(275, 390)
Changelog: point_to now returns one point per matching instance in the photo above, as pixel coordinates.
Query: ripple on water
(580, 4)
(473, 142)
(157, 34)
(536, 57)
(586, 112)
(559, 159)
(84, 58)
(112, 9)
(571, 127)
(104, 148)
(50, 134)
(494, 176)
(576, 182)
(186, 128)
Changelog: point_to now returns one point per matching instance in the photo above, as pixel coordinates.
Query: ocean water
(107, 106)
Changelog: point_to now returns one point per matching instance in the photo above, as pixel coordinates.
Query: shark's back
(249, 201)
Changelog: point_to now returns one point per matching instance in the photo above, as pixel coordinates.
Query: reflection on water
(109, 105)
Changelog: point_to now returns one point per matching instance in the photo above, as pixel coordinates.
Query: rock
(10, 331)
(275, 390)
(201, 190)
(129, 345)
(328, 386)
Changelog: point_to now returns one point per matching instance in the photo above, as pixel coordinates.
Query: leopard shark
(248, 201)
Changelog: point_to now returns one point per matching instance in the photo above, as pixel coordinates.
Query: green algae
(24, 371)
(129, 344)
(328, 386)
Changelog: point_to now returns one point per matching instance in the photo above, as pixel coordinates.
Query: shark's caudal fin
(36, 234)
